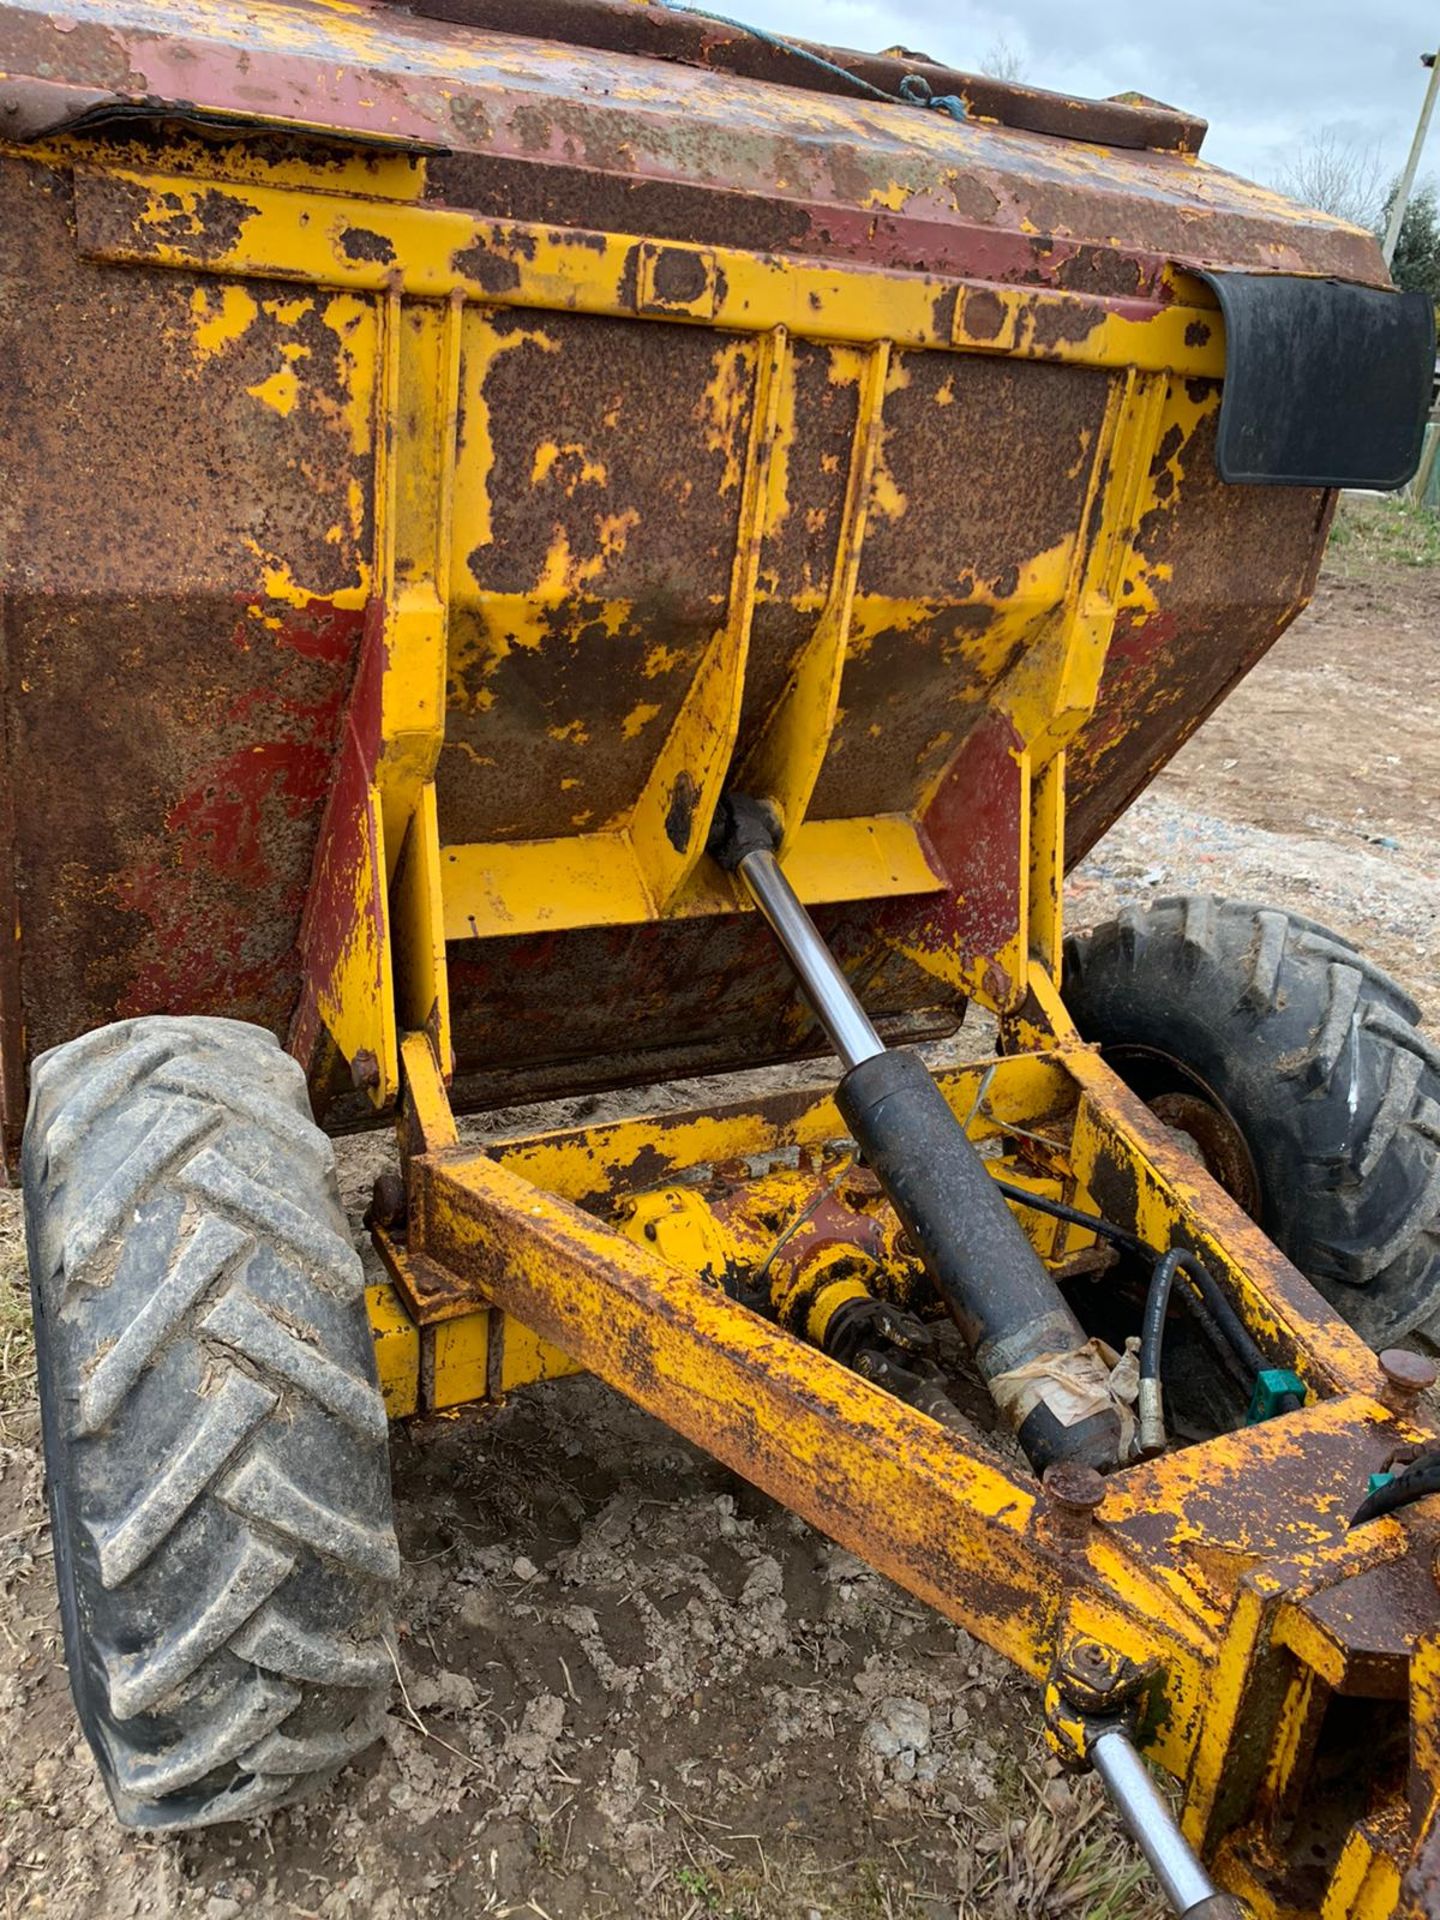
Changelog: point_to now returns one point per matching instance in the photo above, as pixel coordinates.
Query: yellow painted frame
(517, 1221)
(425, 268)
(506, 1271)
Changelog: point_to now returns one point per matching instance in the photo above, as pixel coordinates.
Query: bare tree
(1003, 61)
(1337, 175)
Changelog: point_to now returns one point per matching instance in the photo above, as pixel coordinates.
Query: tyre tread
(1318, 1054)
(194, 1727)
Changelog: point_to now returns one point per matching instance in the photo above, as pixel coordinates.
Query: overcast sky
(1263, 72)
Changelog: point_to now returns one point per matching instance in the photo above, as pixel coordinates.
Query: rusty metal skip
(579, 548)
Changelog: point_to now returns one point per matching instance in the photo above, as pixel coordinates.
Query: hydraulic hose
(1414, 1482)
(1209, 1308)
(1097, 1223)
(1152, 1335)
(1212, 1312)
(1234, 1328)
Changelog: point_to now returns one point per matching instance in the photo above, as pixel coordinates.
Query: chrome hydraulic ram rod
(1027, 1344)
(846, 1024)
(1185, 1883)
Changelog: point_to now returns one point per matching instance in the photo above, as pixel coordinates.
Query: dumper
(550, 550)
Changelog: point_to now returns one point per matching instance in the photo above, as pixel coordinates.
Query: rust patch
(538, 1014)
(500, 187)
(984, 314)
(613, 464)
(1057, 324)
(144, 644)
(495, 272)
(678, 276)
(911, 692)
(113, 215)
(1102, 270)
(359, 243)
(680, 813)
(1229, 568)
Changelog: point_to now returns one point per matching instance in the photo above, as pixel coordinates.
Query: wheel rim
(1188, 1105)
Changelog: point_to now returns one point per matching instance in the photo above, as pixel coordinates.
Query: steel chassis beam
(1222, 1576)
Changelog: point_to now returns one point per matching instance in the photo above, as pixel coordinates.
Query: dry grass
(1023, 1860)
(17, 1346)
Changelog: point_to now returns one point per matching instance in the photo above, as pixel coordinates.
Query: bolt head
(1408, 1373)
(1093, 1667)
(388, 1200)
(1069, 1483)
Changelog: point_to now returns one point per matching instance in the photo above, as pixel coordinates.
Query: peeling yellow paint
(723, 407)
(353, 322)
(565, 572)
(892, 197)
(280, 584)
(886, 498)
(279, 392)
(638, 717)
(221, 317)
(662, 659)
(289, 312)
(482, 344)
(576, 468)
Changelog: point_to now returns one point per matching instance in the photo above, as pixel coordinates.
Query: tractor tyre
(215, 1439)
(1299, 1072)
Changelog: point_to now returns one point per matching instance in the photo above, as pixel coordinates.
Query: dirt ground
(632, 1685)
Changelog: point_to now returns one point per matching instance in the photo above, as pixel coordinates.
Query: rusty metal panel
(598, 488)
(816, 173)
(705, 40)
(600, 1003)
(182, 576)
(802, 529)
(1221, 573)
(613, 614)
(976, 512)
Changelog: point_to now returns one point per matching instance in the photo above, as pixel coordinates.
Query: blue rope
(914, 90)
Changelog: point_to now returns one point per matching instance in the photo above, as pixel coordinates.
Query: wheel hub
(1177, 1095)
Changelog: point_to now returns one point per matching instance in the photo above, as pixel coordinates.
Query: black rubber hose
(1213, 1312)
(1420, 1478)
(1097, 1223)
(1152, 1338)
(1233, 1327)
(1220, 1346)
(1157, 1305)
